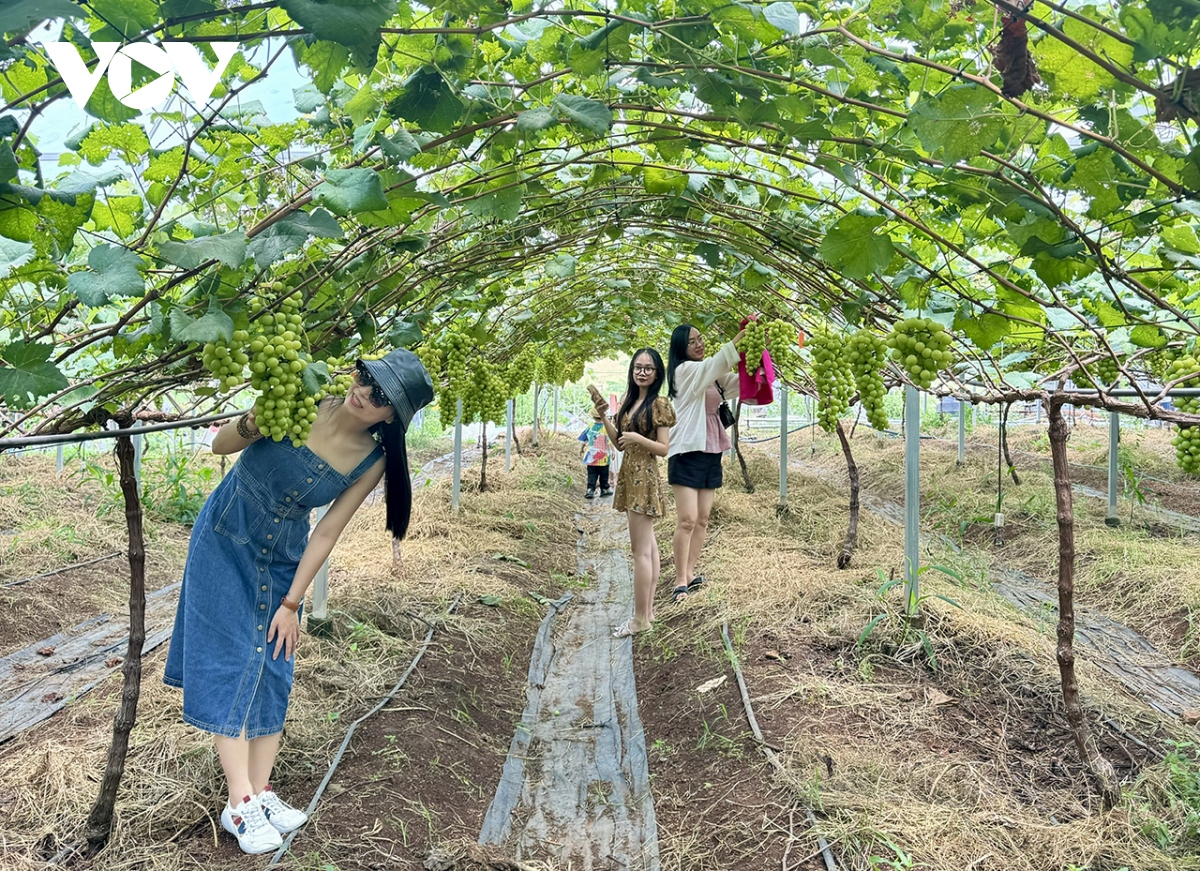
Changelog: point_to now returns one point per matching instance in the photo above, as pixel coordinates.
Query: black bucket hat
(403, 381)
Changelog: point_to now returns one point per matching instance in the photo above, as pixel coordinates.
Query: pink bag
(757, 389)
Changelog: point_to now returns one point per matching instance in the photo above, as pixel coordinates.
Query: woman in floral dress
(642, 430)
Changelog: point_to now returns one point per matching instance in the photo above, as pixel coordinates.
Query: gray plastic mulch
(45, 676)
(576, 784)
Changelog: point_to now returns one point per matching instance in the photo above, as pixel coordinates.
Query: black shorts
(695, 469)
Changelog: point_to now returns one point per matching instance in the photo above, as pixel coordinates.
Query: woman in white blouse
(697, 387)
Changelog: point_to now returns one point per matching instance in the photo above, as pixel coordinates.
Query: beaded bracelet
(243, 429)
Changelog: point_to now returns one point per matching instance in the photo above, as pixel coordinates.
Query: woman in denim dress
(251, 559)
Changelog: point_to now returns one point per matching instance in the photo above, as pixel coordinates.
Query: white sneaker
(249, 825)
(279, 813)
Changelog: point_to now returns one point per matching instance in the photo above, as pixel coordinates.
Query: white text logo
(168, 59)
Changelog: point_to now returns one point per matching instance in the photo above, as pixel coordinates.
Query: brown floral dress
(639, 488)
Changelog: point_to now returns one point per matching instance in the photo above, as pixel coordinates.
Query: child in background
(594, 453)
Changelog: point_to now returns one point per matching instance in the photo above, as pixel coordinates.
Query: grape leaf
(28, 375)
(212, 326)
(352, 23)
(346, 191)
(853, 246)
(534, 120)
(1147, 336)
(784, 16)
(958, 123)
(285, 236)
(112, 271)
(228, 248)
(8, 162)
(591, 115)
(561, 265)
(400, 146)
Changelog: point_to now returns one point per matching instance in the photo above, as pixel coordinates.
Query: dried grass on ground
(885, 747)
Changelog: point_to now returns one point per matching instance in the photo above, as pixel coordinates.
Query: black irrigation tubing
(63, 569)
(772, 757)
(312, 805)
(77, 437)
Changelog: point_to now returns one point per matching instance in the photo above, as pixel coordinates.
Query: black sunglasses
(377, 397)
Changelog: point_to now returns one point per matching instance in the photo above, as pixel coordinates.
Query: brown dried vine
(851, 542)
(1180, 98)
(1013, 58)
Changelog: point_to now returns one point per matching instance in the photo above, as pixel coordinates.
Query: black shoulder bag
(724, 412)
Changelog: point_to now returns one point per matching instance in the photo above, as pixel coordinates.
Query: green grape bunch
(833, 376)
(522, 370)
(1187, 440)
(227, 365)
(1182, 367)
(340, 382)
(485, 397)
(921, 346)
(752, 344)
(455, 347)
(782, 343)
(551, 367)
(1187, 449)
(867, 355)
(1108, 372)
(284, 407)
(573, 371)
(430, 356)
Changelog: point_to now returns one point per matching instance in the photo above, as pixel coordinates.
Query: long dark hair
(397, 481)
(643, 421)
(677, 353)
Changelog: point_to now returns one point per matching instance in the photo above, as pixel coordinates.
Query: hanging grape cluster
(1107, 370)
(552, 367)
(522, 369)
(430, 356)
(1187, 440)
(485, 394)
(781, 341)
(227, 365)
(573, 371)
(284, 408)
(752, 344)
(922, 347)
(455, 347)
(867, 354)
(340, 382)
(833, 376)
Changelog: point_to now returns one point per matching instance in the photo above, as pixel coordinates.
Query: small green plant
(899, 861)
(1168, 811)
(905, 623)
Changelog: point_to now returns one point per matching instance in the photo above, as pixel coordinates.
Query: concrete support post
(1114, 439)
(456, 483)
(912, 497)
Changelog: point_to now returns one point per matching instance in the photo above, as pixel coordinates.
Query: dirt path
(576, 785)
(1145, 673)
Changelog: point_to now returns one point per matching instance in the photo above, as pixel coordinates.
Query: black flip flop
(696, 582)
(678, 595)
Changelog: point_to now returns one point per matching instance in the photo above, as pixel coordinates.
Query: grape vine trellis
(581, 173)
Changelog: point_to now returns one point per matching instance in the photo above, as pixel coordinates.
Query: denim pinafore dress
(244, 551)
